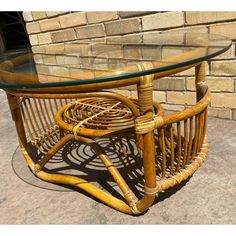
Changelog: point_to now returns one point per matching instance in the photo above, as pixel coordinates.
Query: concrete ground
(208, 197)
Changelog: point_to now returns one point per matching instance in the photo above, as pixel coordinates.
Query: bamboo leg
(128, 194)
(201, 89)
(146, 109)
(200, 81)
(78, 182)
(17, 117)
(52, 152)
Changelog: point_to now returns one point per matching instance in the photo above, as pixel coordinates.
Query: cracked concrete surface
(208, 197)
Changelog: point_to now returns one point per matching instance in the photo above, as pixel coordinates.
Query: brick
(27, 16)
(169, 84)
(123, 92)
(82, 49)
(107, 51)
(49, 24)
(38, 59)
(151, 52)
(58, 71)
(163, 20)
(201, 40)
(116, 63)
(173, 107)
(193, 29)
(38, 15)
(42, 69)
(134, 38)
(123, 27)
(188, 72)
(126, 14)
(101, 16)
(97, 40)
(74, 73)
(215, 84)
(219, 112)
(78, 73)
(207, 17)
(63, 35)
(32, 27)
(182, 98)
(67, 60)
(226, 29)
(226, 100)
(229, 54)
(132, 52)
(159, 96)
(45, 38)
(234, 114)
(49, 60)
(191, 71)
(159, 39)
(38, 49)
(54, 13)
(73, 19)
(223, 67)
(142, 52)
(33, 39)
(55, 48)
(190, 84)
(99, 63)
(79, 41)
(91, 31)
(168, 52)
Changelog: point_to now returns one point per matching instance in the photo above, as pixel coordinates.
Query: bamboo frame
(51, 120)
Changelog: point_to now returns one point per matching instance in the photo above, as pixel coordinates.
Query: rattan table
(66, 95)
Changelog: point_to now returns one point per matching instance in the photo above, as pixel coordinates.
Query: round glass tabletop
(107, 60)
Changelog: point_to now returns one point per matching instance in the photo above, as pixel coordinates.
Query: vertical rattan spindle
(145, 97)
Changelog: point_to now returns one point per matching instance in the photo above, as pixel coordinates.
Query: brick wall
(52, 30)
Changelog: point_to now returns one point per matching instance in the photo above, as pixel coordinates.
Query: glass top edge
(227, 43)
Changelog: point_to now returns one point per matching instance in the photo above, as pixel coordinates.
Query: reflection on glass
(116, 58)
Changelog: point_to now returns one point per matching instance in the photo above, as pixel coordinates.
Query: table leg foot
(131, 205)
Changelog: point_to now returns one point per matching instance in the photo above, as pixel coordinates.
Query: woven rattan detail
(144, 124)
(99, 114)
(106, 114)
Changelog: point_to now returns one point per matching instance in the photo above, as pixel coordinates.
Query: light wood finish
(48, 119)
